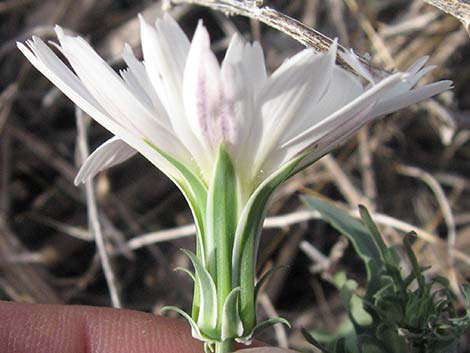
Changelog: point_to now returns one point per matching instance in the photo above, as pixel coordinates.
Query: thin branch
(342, 181)
(294, 218)
(283, 221)
(93, 217)
(441, 198)
(460, 9)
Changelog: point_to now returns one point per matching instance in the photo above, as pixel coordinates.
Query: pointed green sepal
(232, 325)
(247, 238)
(207, 318)
(193, 189)
(261, 326)
(188, 272)
(196, 333)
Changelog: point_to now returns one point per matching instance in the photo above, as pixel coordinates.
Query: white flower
(227, 134)
(181, 100)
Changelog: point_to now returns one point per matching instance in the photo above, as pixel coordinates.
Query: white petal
(138, 71)
(389, 105)
(342, 89)
(243, 73)
(337, 119)
(420, 74)
(136, 88)
(112, 93)
(165, 48)
(415, 73)
(175, 42)
(255, 66)
(238, 112)
(202, 89)
(251, 59)
(414, 68)
(353, 60)
(235, 50)
(112, 152)
(42, 57)
(337, 137)
(296, 86)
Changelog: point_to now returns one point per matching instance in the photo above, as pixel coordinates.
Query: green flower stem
(224, 347)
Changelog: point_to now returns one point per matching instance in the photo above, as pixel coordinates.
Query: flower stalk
(224, 347)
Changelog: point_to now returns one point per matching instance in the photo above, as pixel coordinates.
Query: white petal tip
(79, 179)
(333, 48)
(142, 20)
(127, 50)
(168, 18)
(448, 83)
(59, 31)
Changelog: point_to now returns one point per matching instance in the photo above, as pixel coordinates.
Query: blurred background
(411, 169)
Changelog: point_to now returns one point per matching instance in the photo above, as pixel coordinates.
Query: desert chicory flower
(227, 134)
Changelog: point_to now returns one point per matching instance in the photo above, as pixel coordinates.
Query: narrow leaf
(356, 232)
(416, 268)
(360, 238)
(374, 231)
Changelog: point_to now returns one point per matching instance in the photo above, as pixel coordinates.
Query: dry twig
(275, 19)
(93, 217)
(460, 9)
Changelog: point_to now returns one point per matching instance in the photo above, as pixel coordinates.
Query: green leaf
(357, 316)
(357, 233)
(346, 224)
(207, 318)
(369, 223)
(221, 220)
(232, 326)
(414, 261)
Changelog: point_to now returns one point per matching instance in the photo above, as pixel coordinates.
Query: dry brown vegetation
(411, 169)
